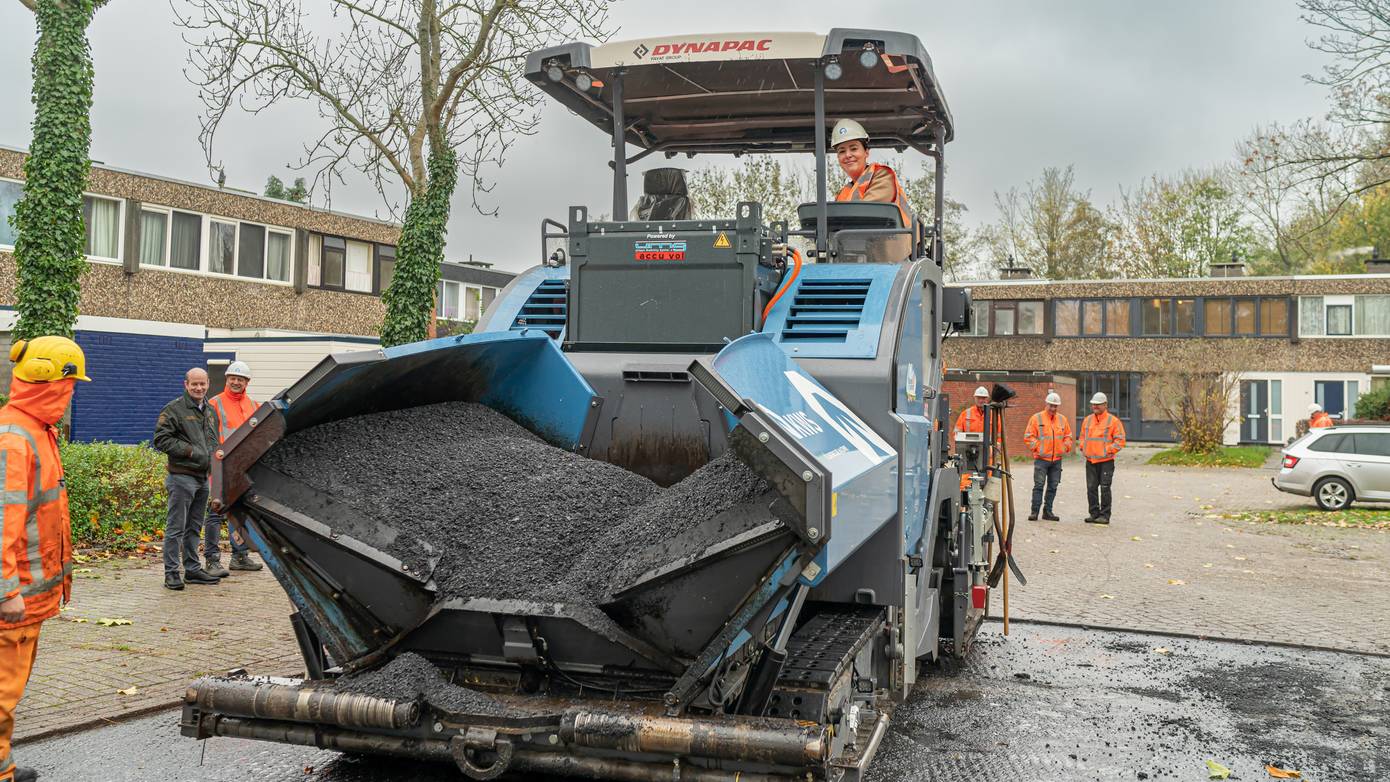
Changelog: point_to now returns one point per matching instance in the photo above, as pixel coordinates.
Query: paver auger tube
(673, 511)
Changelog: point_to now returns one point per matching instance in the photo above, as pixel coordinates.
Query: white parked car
(1338, 465)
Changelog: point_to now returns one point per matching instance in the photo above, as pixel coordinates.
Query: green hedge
(1375, 405)
(116, 494)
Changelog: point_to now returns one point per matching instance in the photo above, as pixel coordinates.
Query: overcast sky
(1119, 89)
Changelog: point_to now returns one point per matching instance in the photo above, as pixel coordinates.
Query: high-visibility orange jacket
(232, 411)
(877, 183)
(972, 419)
(35, 535)
(1102, 436)
(1320, 420)
(1048, 436)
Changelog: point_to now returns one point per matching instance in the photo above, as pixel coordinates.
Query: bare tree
(411, 93)
(1179, 227)
(1195, 384)
(1052, 227)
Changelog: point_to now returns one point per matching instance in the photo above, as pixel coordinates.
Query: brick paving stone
(1263, 582)
(174, 638)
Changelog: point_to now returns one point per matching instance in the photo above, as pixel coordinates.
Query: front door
(1254, 411)
(1331, 394)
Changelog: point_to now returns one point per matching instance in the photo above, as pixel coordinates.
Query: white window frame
(371, 264)
(205, 259)
(168, 234)
(19, 182)
(1334, 300)
(120, 229)
(443, 296)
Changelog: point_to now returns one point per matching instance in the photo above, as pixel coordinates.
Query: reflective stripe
(6, 765)
(39, 587)
(861, 186)
(223, 430)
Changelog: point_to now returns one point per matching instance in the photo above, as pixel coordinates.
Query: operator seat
(663, 196)
(859, 215)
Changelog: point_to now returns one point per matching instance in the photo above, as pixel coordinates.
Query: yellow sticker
(722, 243)
(834, 503)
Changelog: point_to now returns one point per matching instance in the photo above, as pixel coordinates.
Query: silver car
(1337, 466)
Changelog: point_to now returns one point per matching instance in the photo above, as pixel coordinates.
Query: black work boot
(199, 577)
(25, 774)
(1050, 516)
(214, 568)
(1033, 516)
(245, 562)
(172, 581)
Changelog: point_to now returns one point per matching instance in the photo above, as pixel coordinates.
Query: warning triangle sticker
(722, 243)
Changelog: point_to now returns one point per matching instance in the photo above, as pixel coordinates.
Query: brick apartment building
(1299, 339)
(183, 275)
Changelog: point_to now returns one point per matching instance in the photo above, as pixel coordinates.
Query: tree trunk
(50, 248)
(410, 298)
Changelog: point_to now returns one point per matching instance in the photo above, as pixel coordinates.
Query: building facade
(1291, 340)
(182, 275)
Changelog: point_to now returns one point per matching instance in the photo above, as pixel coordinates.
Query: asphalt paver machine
(767, 650)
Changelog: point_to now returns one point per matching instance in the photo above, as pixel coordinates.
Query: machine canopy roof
(750, 92)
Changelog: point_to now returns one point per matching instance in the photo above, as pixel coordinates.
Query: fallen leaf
(1148, 564)
(1177, 497)
(79, 620)
(1217, 771)
(1054, 551)
(1230, 545)
(1176, 582)
(1247, 572)
(105, 622)
(131, 690)
(1136, 537)
(163, 629)
(1206, 564)
(1107, 597)
(146, 539)
(1162, 650)
(1238, 559)
(1283, 773)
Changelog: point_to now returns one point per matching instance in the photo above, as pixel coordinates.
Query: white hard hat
(847, 130)
(1053, 399)
(1315, 408)
(1099, 398)
(981, 391)
(240, 369)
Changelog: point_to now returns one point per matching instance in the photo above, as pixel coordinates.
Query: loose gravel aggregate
(411, 677)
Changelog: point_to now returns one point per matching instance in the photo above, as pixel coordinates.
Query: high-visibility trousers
(18, 646)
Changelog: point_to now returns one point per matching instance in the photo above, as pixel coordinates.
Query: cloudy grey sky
(1120, 89)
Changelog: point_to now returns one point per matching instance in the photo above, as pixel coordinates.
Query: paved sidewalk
(173, 638)
(1263, 582)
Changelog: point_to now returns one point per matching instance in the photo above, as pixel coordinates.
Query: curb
(1190, 636)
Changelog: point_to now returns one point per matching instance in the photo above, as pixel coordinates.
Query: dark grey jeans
(188, 496)
(1048, 474)
(212, 538)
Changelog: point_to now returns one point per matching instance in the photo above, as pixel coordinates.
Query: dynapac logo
(700, 47)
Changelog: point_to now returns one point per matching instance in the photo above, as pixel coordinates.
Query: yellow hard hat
(46, 359)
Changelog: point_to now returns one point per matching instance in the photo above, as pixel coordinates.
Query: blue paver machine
(773, 652)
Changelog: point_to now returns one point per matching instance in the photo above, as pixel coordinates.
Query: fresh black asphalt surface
(1046, 703)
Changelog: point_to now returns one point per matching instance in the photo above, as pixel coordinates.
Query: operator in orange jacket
(1102, 436)
(1048, 438)
(867, 181)
(1317, 417)
(972, 419)
(35, 535)
(232, 407)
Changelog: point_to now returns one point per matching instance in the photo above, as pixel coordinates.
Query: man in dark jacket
(187, 434)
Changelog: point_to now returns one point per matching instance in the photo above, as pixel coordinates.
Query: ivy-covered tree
(49, 250)
(410, 91)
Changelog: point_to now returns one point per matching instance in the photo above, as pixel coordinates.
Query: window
(1373, 316)
(979, 319)
(1332, 443)
(449, 300)
(1065, 317)
(1117, 318)
(1003, 321)
(1216, 314)
(1115, 386)
(489, 295)
(185, 240)
(10, 193)
(251, 251)
(154, 234)
(1276, 411)
(1339, 320)
(1186, 312)
(359, 267)
(1274, 317)
(1372, 443)
(221, 247)
(1030, 317)
(102, 217)
(385, 266)
(277, 255)
(1353, 391)
(1092, 318)
(334, 258)
(312, 270)
(472, 299)
(1245, 317)
(1157, 317)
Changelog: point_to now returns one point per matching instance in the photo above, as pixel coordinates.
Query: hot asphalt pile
(412, 677)
(492, 511)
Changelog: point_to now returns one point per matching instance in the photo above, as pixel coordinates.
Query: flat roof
(750, 92)
(1132, 280)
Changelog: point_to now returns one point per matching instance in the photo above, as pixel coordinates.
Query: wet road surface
(1047, 703)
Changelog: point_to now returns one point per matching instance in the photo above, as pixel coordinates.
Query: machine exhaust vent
(545, 309)
(825, 310)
